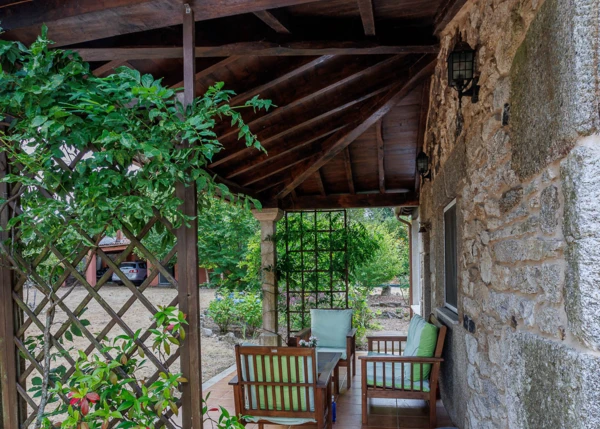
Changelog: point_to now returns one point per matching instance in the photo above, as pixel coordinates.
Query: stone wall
(524, 166)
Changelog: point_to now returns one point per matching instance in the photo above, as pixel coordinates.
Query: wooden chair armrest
(325, 377)
(304, 334)
(351, 333)
(234, 381)
(401, 359)
(387, 338)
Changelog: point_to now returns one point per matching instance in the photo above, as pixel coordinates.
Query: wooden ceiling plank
(272, 21)
(320, 183)
(348, 168)
(109, 66)
(350, 201)
(305, 48)
(313, 95)
(367, 16)
(380, 154)
(209, 70)
(446, 13)
(338, 141)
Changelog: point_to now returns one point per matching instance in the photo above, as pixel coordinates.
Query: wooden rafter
(338, 141)
(348, 201)
(320, 183)
(275, 154)
(380, 154)
(240, 98)
(272, 21)
(207, 71)
(446, 13)
(303, 48)
(348, 168)
(237, 148)
(367, 16)
(339, 79)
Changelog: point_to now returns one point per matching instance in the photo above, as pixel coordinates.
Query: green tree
(224, 233)
(385, 265)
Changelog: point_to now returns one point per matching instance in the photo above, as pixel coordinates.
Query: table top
(326, 358)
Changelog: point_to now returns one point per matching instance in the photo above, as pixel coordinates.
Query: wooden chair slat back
(279, 381)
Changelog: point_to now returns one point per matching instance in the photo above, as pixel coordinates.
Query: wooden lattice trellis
(19, 270)
(315, 263)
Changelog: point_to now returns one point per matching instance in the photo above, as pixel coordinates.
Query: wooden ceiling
(349, 78)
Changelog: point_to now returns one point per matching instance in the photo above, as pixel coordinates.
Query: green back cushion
(274, 397)
(421, 342)
(331, 327)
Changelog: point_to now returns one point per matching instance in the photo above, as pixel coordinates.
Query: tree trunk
(386, 291)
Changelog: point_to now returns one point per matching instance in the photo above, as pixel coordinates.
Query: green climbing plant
(107, 149)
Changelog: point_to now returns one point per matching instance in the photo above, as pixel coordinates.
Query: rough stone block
(549, 213)
(581, 187)
(554, 85)
(550, 385)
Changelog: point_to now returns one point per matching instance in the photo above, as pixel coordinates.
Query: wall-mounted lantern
(461, 71)
(423, 166)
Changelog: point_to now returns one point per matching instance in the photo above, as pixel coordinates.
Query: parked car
(136, 272)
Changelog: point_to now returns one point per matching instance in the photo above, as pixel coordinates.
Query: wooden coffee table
(327, 360)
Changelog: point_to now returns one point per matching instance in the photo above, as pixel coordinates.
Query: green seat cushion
(421, 342)
(331, 327)
(283, 421)
(332, 350)
(375, 375)
(276, 398)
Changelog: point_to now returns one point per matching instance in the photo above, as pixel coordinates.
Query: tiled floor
(383, 413)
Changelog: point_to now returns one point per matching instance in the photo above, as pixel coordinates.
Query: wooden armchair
(387, 373)
(280, 385)
(333, 328)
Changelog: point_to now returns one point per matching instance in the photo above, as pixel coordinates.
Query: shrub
(221, 310)
(248, 309)
(363, 317)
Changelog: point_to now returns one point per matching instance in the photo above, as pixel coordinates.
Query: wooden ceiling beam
(380, 154)
(209, 70)
(272, 21)
(348, 168)
(320, 183)
(446, 13)
(76, 21)
(350, 201)
(305, 48)
(367, 16)
(370, 115)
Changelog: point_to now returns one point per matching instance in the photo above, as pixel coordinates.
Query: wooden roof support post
(8, 352)
(268, 218)
(187, 257)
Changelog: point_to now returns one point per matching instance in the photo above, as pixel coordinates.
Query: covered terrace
(350, 80)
